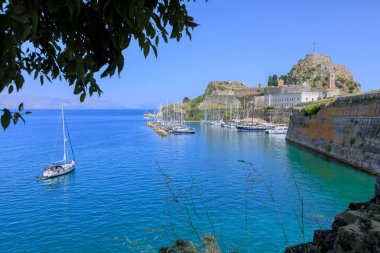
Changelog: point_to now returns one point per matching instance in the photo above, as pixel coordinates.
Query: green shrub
(186, 100)
(328, 147)
(312, 109)
(194, 114)
(196, 101)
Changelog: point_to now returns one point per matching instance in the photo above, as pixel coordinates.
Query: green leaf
(10, 89)
(48, 78)
(154, 50)
(120, 64)
(78, 90)
(188, 34)
(165, 38)
(175, 32)
(15, 118)
(6, 119)
(193, 24)
(157, 40)
(82, 97)
(146, 49)
(21, 107)
(19, 81)
(41, 80)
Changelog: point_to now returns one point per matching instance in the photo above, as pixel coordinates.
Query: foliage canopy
(272, 80)
(76, 39)
(312, 109)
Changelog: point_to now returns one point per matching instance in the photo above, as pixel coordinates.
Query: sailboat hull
(58, 170)
(250, 128)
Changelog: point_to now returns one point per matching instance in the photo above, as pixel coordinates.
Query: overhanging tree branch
(75, 39)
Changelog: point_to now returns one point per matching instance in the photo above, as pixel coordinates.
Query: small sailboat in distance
(64, 166)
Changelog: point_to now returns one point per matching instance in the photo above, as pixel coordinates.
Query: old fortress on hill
(311, 79)
(290, 95)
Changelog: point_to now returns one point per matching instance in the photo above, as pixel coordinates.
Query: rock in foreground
(354, 230)
(209, 245)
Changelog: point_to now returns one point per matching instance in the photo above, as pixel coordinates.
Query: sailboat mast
(64, 137)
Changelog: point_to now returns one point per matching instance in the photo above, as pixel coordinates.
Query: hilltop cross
(313, 47)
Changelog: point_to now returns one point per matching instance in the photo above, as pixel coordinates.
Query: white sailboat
(64, 166)
(278, 129)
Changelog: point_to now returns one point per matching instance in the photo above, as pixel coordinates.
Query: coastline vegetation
(312, 109)
(193, 112)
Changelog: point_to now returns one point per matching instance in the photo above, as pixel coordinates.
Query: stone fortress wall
(347, 130)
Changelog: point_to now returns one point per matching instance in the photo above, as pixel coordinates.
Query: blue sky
(242, 40)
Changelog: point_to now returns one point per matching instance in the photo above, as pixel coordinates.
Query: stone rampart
(347, 130)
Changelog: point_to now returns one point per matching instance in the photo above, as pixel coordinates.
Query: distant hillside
(315, 70)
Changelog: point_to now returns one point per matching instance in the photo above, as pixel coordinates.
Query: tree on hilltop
(272, 80)
(186, 100)
(76, 39)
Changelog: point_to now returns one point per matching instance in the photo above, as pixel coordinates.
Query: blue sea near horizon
(134, 191)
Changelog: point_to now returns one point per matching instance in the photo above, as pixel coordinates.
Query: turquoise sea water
(134, 191)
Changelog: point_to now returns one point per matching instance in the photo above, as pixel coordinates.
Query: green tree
(76, 39)
(270, 81)
(274, 80)
(186, 100)
(284, 78)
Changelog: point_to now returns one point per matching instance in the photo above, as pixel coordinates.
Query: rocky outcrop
(223, 88)
(355, 230)
(222, 93)
(209, 245)
(315, 70)
(180, 246)
(347, 129)
(219, 101)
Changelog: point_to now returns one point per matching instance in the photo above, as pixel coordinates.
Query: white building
(290, 99)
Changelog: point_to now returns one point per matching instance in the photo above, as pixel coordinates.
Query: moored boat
(279, 129)
(251, 127)
(183, 130)
(64, 166)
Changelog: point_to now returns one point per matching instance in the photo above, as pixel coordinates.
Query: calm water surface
(134, 191)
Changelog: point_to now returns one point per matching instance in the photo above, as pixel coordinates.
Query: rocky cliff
(223, 88)
(347, 129)
(222, 93)
(315, 70)
(354, 230)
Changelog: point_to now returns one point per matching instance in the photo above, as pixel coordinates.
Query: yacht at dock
(278, 129)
